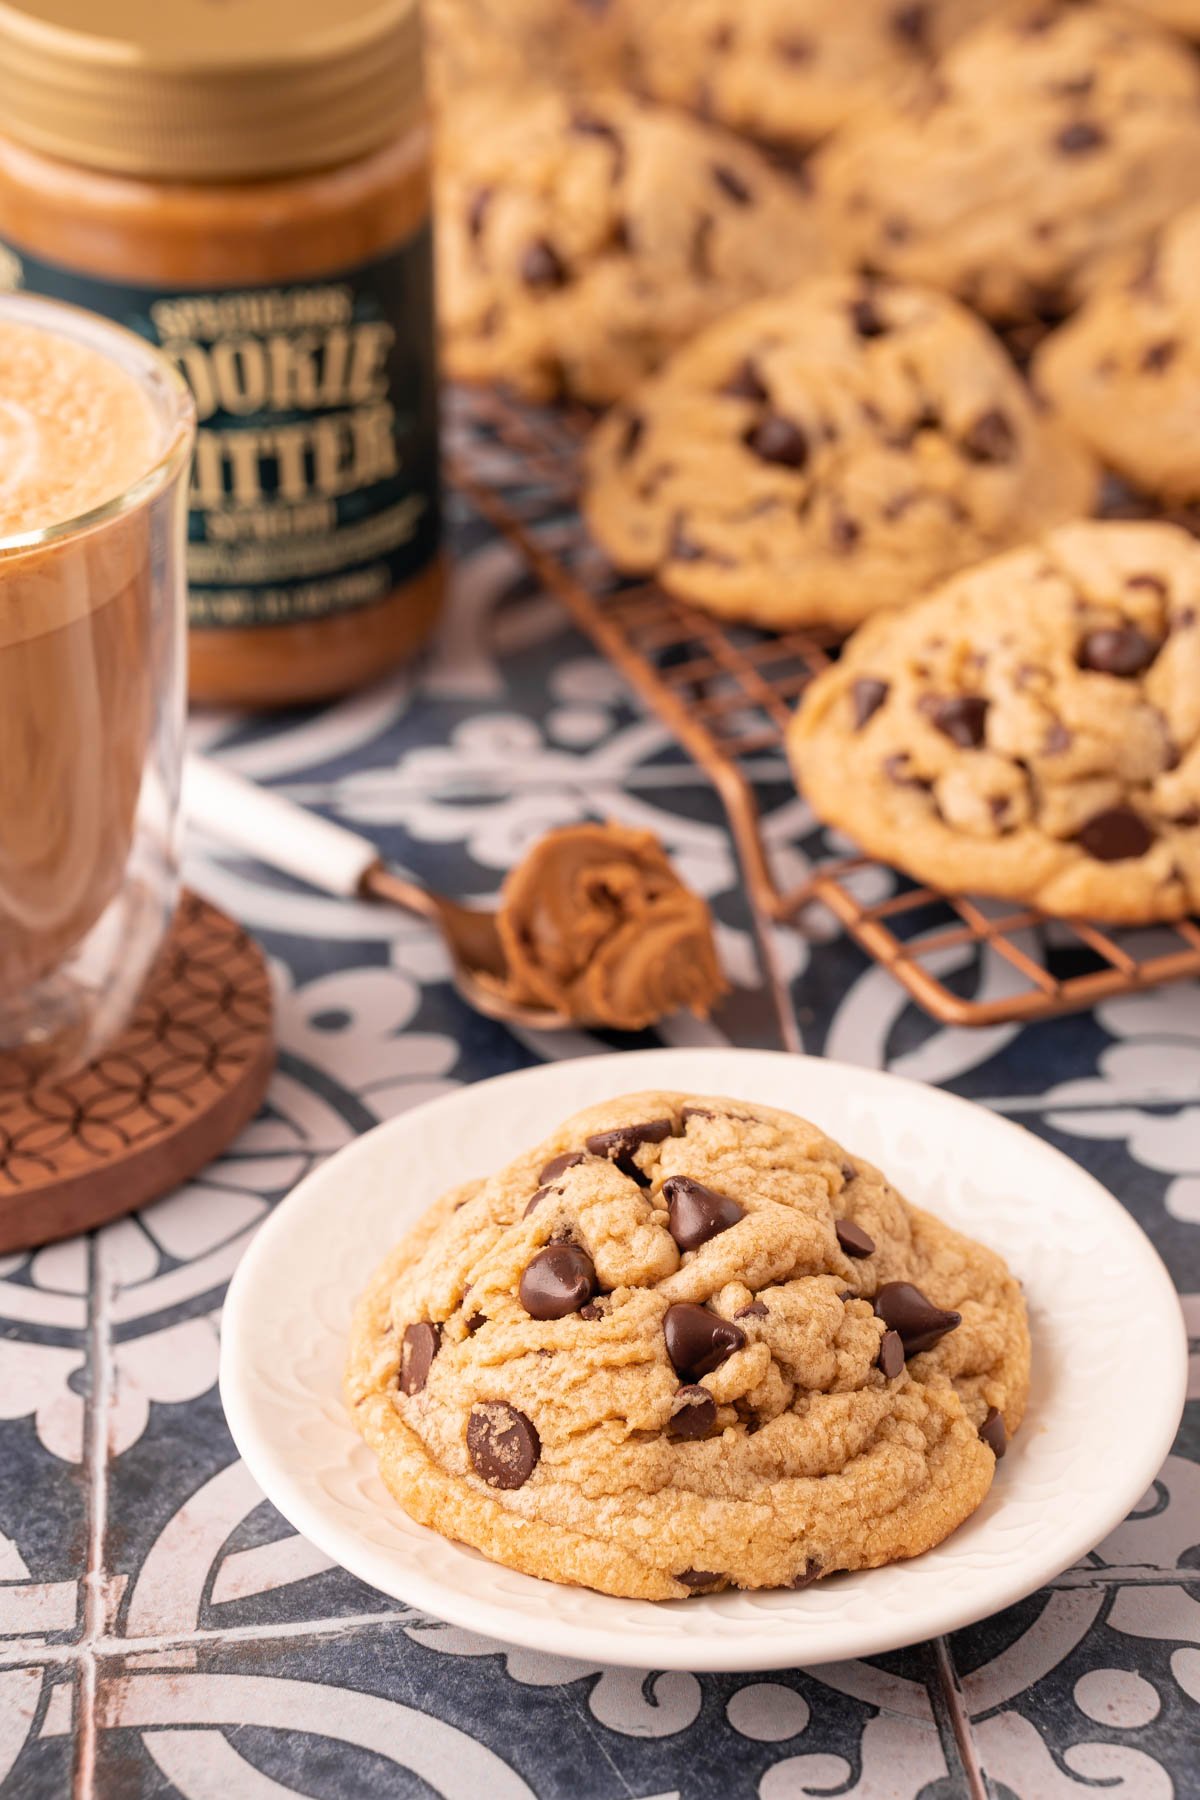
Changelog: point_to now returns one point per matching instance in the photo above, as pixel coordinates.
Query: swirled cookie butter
(247, 186)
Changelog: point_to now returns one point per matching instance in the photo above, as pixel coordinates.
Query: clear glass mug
(92, 709)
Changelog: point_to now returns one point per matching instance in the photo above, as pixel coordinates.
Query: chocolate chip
(591, 1312)
(1120, 650)
(557, 1281)
(1160, 356)
(812, 1571)
(960, 717)
(755, 1310)
(1153, 584)
(589, 124)
(1057, 739)
(631, 436)
(849, 1173)
(853, 1238)
(477, 212)
(1080, 138)
(795, 49)
(1116, 835)
(542, 266)
(1119, 500)
(732, 184)
(697, 1340)
(844, 532)
(701, 257)
(502, 1443)
(693, 1413)
(418, 1348)
(698, 1578)
(993, 1433)
(867, 696)
(891, 1354)
(475, 1323)
(777, 440)
(745, 383)
(696, 1112)
(921, 1324)
(619, 1145)
(866, 318)
(991, 439)
(558, 1165)
(697, 1213)
(912, 24)
(536, 1200)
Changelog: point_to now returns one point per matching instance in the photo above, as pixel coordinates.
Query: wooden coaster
(162, 1101)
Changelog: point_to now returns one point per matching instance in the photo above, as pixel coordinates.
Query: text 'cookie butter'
(248, 187)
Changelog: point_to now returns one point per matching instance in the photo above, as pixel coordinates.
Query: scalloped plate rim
(702, 1633)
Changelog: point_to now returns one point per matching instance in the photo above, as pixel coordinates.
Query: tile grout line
(96, 1448)
(959, 1719)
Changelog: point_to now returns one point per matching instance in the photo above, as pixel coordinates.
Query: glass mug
(96, 434)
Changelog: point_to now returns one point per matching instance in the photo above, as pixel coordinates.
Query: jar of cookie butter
(247, 185)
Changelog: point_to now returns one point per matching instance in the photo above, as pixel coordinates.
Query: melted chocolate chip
(502, 1443)
(619, 1145)
(697, 1213)
(911, 23)
(867, 696)
(812, 1571)
(1116, 835)
(745, 383)
(731, 183)
(1057, 739)
(557, 1281)
(844, 532)
(536, 1200)
(558, 1165)
(698, 1341)
(475, 1323)
(867, 319)
(777, 440)
(418, 1347)
(921, 1324)
(898, 771)
(1080, 138)
(990, 439)
(1160, 356)
(853, 1239)
(698, 1578)
(693, 1414)
(631, 436)
(1122, 650)
(891, 1354)
(960, 717)
(993, 1433)
(756, 1309)
(542, 266)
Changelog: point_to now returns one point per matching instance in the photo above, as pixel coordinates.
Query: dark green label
(315, 485)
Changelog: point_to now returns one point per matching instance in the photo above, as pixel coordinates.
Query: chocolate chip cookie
(494, 43)
(1045, 147)
(582, 240)
(687, 1344)
(1031, 731)
(827, 452)
(787, 70)
(1124, 373)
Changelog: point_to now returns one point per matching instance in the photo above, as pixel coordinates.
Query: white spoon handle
(276, 831)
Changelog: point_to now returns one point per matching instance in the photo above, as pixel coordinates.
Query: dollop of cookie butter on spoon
(595, 924)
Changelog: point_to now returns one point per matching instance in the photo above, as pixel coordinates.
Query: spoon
(327, 856)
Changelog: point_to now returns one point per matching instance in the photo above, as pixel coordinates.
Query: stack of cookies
(891, 311)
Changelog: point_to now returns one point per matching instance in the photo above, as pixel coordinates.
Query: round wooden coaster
(162, 1101)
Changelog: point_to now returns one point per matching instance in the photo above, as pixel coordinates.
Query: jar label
(315, 484)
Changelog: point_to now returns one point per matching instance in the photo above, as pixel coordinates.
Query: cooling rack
(726, 693)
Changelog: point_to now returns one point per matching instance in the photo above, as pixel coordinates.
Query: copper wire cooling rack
(726, 693)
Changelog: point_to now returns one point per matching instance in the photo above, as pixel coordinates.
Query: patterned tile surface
(163, 1632)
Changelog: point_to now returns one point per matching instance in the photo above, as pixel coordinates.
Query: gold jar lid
(208, 90)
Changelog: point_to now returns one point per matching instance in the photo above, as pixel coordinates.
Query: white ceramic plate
(1109, 1366)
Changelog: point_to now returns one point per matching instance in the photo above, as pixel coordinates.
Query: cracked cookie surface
(1031, 731)
(1124, 373)
(825, 453)
(787, 70)
(1044, 151)
(687, 1343)
(582, 239)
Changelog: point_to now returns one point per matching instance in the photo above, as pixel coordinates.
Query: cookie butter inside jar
(248, 187)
